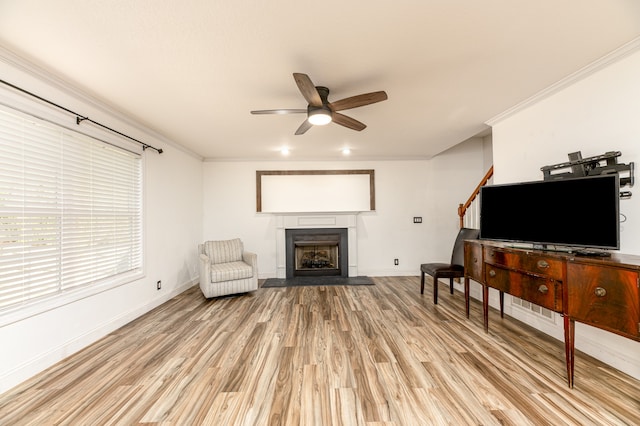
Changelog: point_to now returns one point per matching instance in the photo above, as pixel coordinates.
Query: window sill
(36, 307)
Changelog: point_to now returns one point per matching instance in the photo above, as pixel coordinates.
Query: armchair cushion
(230, 271)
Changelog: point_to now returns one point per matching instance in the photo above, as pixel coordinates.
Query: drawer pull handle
(475, 260)
(543, 264)
(543, 289)
(600, 292)
(492, 273)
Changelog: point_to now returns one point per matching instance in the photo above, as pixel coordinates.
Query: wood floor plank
(325, 355)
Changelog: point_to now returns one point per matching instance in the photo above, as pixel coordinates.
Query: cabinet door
(473, 261)
(604, 297)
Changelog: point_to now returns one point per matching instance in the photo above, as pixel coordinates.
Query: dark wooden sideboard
(603, 292)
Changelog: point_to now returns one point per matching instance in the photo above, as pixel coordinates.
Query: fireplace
(317, 252)
(317, 222)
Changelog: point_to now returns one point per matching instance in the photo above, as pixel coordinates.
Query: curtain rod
(80, 118)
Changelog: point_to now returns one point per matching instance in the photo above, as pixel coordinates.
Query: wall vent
(530, 307)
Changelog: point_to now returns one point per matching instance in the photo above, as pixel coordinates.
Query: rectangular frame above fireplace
(318, 237)
(316, 191)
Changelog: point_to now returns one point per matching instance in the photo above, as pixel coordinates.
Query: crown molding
(620, 53)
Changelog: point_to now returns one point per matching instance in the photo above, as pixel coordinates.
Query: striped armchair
(225, 268)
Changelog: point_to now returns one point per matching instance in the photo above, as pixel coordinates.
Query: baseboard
(616, 351)
(388, 272)
(365, 273)
(43, 361)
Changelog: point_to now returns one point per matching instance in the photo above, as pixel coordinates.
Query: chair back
(224, 251)
(457, 257)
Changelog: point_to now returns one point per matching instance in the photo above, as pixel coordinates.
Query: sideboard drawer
(605, 297)
(525, 261)
(544, 292)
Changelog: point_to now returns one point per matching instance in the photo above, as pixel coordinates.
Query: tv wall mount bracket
(577, 166)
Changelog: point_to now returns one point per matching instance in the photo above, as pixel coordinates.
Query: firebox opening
(317, 255)
(316, 252)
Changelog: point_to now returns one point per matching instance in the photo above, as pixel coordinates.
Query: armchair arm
(205, 268)
(251, 259)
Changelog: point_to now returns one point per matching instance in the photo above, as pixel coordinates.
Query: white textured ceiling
(193, 69)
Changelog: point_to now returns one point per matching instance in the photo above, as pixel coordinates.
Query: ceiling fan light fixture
(319, 117)
(320, 111)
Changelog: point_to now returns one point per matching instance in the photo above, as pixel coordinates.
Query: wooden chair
(454, 269)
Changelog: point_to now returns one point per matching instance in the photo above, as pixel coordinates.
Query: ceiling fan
(320, 111)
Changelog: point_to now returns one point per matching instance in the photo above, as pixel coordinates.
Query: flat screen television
(571, 214)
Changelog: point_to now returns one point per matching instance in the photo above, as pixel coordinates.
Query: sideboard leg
(502, 304)
(485, 307)
(466, 295)
(569, 346)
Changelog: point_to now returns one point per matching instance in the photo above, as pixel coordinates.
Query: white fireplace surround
(314, 221)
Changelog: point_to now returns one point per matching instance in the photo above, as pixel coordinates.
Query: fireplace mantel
(311, 221)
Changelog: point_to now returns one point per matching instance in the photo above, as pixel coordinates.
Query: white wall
(173, 228)
(404, 189)
(598, 113)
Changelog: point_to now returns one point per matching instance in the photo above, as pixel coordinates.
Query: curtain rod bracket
(80, 119)
(158, 150)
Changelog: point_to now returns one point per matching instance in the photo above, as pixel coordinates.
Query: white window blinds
(70, 210)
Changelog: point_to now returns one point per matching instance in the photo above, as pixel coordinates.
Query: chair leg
(422, 283)
(435, 290)
(451, 285)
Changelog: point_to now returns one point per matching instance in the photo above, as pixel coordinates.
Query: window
(70, 211)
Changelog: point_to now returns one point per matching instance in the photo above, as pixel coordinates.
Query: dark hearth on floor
(316, 281)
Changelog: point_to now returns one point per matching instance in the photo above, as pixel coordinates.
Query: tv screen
(580, 212)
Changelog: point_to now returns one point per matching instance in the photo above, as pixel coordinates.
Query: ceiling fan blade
(349, 122)
(279, 111)
(358, 101)
(304, 127)
(307, 89)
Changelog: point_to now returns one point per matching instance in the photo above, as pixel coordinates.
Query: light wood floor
(360, 355)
